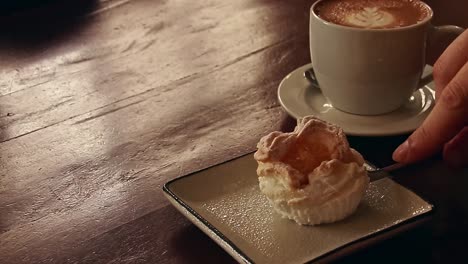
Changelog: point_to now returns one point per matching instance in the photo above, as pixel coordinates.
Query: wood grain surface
(102, 102)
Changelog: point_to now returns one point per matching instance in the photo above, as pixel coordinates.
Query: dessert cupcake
(311, 175)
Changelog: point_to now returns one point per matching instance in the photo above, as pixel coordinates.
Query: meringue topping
(302, 151)
(311, 175)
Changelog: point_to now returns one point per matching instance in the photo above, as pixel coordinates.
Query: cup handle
(309, 74)
(436, 32)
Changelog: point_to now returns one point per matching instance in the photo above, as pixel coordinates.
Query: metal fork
(380, 173)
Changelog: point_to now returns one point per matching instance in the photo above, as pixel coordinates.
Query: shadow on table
(31, 25)
(195, 246)
(413, 246)
(8, 7)
(377, 150)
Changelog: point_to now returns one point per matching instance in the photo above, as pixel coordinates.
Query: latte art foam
(373, 13)
(370, 17)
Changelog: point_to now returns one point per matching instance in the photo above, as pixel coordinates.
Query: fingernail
(401, 152)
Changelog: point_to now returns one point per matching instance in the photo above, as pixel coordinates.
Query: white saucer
(300, 99)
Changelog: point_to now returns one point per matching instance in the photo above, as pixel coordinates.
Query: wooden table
(102, 102)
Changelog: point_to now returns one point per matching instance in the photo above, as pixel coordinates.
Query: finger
(456, 151)
(450, 62)
(447, 118)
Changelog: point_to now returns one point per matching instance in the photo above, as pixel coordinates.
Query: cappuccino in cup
(373, 13)
(368, 55)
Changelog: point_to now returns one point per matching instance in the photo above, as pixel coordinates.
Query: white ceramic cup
(370, 71)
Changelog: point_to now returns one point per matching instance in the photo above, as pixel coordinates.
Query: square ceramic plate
(225, 202)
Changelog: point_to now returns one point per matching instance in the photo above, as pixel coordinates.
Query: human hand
(446, 127)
